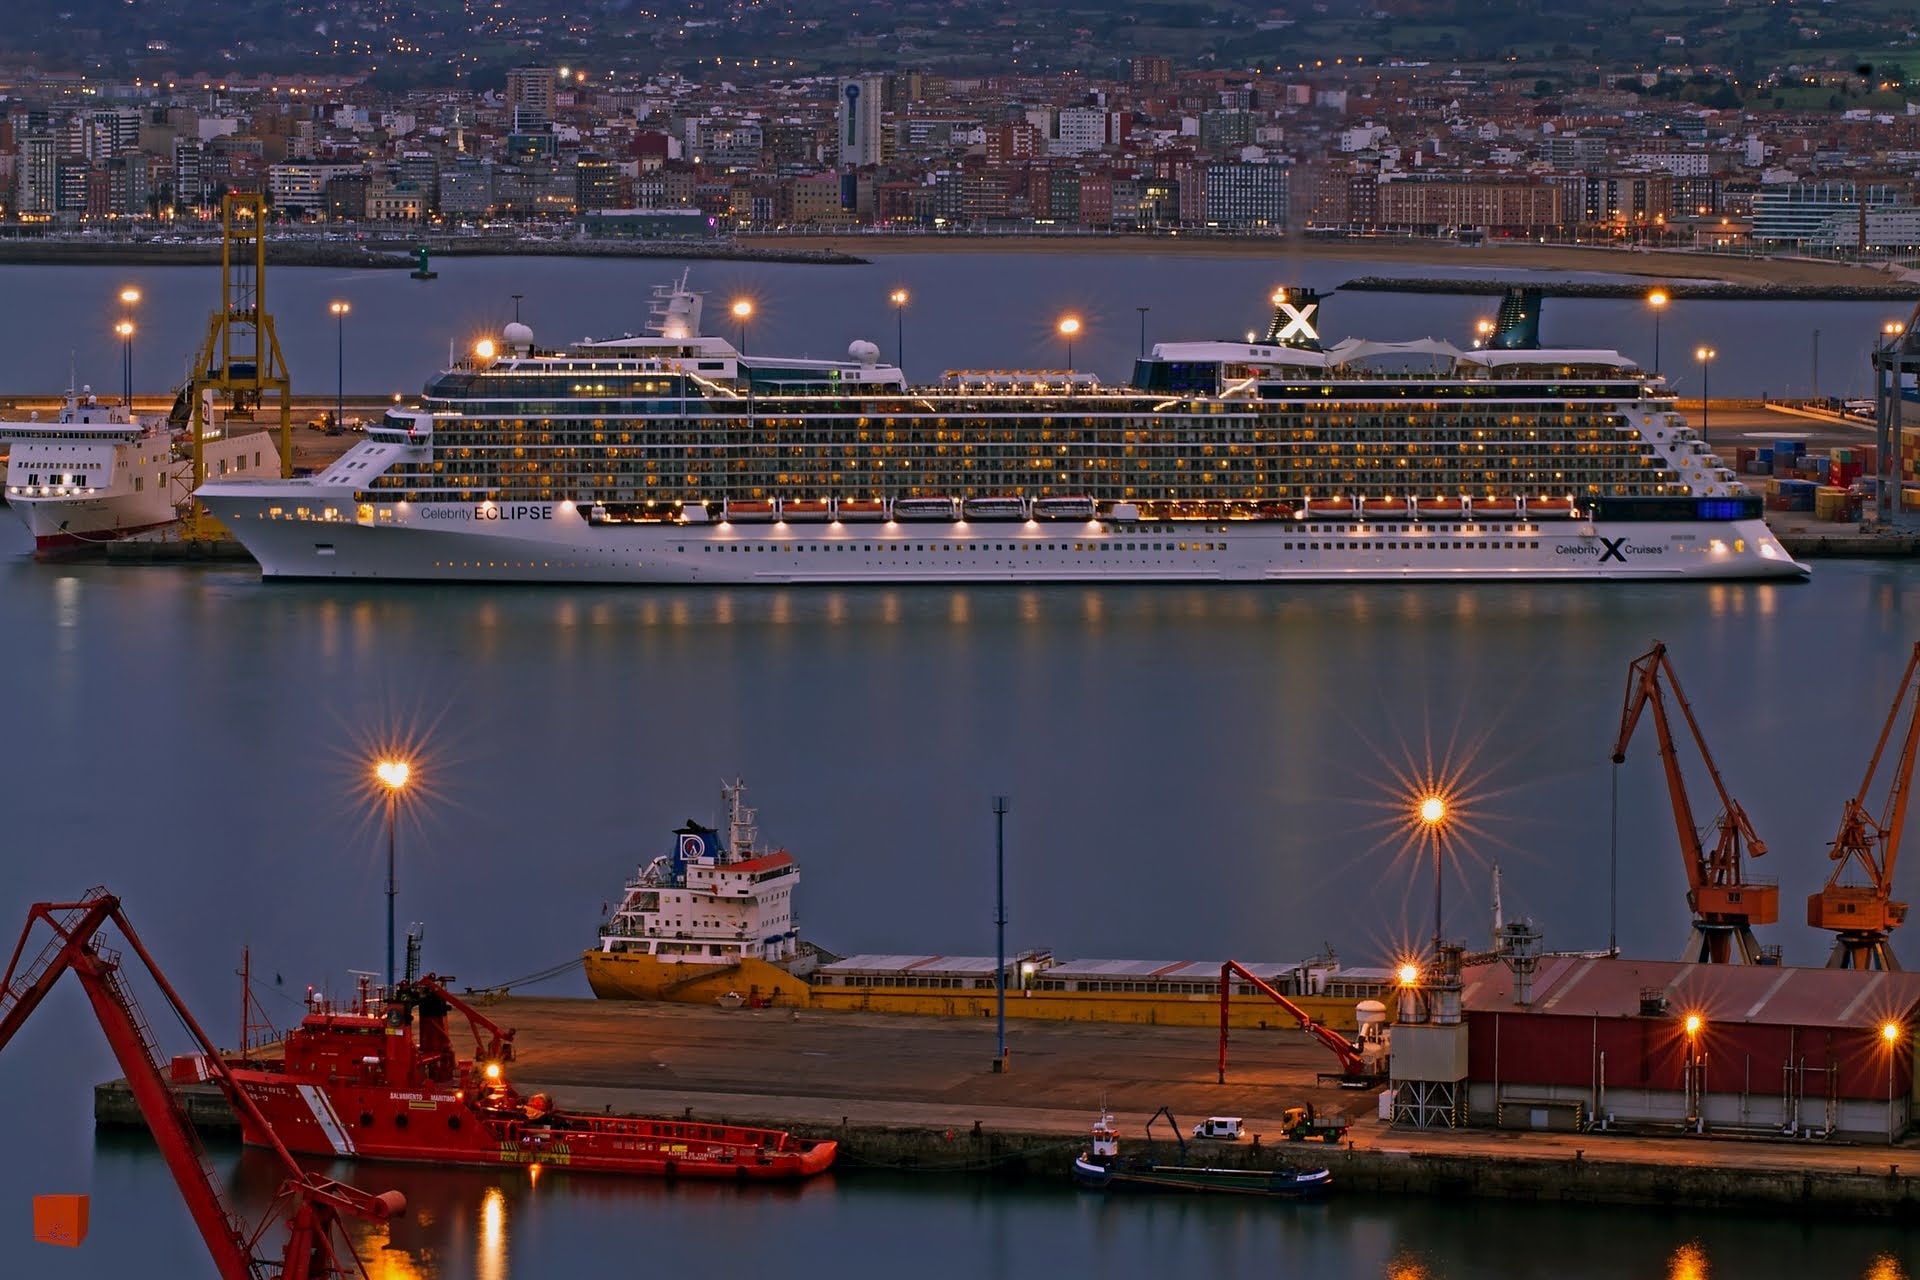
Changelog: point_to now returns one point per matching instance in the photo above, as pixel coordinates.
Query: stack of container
(1830, 503)
(1786, 456)
(1791, 495)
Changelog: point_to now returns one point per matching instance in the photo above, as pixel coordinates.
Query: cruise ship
(673, 457)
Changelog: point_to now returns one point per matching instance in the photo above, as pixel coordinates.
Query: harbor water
(1193, 773)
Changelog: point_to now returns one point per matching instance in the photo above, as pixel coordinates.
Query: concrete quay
(919, 1094)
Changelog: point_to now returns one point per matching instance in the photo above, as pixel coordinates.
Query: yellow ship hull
(625, 976)
(620, 976)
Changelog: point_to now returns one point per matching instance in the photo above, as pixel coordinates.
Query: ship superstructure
(674, 457)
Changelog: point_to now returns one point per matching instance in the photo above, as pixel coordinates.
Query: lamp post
(1143, 328)
(1705, 356)
(1658, 301)
(129, 297)
(125, 330)
(899, 299)
(1483, 329)
(392, 775)
(742, 312)
(1693, 1024)
(1890, 1033)
(1000, 931)
(339, 310)
(1069, 326)
(1433, 813)
(1816, 364)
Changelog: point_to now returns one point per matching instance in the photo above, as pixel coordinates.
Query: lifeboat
(1444, 508)
(739, 510)
(597, 513)
(1274, 511)
(925, 509)
(994, 508)
(861, 509)
(1063, 509)
(1321, 508)
(1495, 508)
(1562, 507)
(805, 509)
(1384, 507)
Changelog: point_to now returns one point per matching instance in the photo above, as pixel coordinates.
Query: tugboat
(1103, 1168)
(379, 1079)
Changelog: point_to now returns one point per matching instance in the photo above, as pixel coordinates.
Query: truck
(1301, 1124)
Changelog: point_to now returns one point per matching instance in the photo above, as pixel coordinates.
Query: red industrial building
(1606, 1042)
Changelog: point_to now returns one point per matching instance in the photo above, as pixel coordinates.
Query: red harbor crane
(1862, 915)
(1725, 904)
(316, 1248)
(1363, 1062)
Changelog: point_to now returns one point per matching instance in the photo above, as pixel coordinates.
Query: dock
(919, 1094)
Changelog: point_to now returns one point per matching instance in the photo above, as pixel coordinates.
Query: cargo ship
(714, 921)
(673, 457)
(378, 1078)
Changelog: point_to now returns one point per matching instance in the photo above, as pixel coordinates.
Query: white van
(1225, 1128)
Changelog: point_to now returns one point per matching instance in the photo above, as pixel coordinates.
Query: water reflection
(493, 1236)
(1689, 1262)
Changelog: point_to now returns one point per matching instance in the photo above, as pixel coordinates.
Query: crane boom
(313, 1204)
(1725, 904)
(1355, 1062)
(1862, 916)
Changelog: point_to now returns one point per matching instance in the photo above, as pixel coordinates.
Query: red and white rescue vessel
(379, 1079)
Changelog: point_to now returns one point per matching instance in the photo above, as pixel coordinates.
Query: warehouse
(1629, 1044)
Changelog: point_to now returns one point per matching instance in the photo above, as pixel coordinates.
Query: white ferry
(672, 457)
(96, 474)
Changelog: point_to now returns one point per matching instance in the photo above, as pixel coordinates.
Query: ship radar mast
(742, 830)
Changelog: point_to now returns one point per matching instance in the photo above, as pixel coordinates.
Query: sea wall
(1594, 1175)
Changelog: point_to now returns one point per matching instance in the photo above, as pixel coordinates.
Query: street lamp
(129, 296)
(1069, 326)
(1658, 301)
(1484, 330)
(125, 330)
(899, 299)
(1143, 328)
(1432, 812)
(340, 310)
(1705, 356)
(1890, 1032)
(392, 774)
(1892, 330)
(1695, 1075)
(1000, 932)
(743, 312)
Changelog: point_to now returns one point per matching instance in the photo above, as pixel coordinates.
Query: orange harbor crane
(1725, 904)
(1362, 1063)
(1863, 915)
(316, 1247)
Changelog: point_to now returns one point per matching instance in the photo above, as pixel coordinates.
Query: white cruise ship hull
(555, 542)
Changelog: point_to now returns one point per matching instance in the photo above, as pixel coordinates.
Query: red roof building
(1729, 1048)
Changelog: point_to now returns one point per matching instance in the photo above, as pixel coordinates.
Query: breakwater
(395, 254)
(1685, 291)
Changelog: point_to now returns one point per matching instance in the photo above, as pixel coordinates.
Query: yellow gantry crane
(1862, 915)
(241, 357)
(1725, 904)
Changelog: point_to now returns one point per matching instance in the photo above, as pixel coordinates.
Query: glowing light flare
(742, 309)
(484, 348)
(1657, 299)
(1408, 973)
(1890, 1032)
(124, 328)
(1433, 810)
(339, 308)
(1693, 1024)
(493, 1071)
(129, 296)
(393, 774)
(1069, 326)
(898, 297)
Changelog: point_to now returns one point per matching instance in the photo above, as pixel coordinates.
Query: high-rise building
(530, 92)
(36, 175)
(861, 109)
